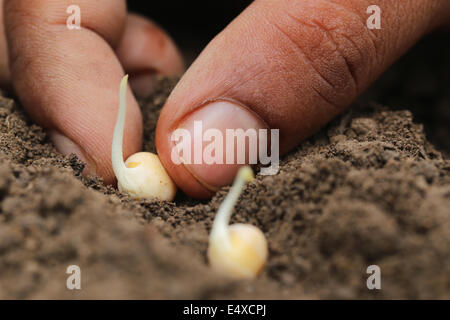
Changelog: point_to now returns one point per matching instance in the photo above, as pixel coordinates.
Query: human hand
(288, 65)
(291, 65)
(67, 80)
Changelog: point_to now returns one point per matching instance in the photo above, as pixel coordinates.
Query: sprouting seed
(239, 250)
(142, 175)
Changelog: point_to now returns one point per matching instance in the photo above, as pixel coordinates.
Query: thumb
(287, 65)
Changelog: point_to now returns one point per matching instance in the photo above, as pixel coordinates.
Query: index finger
(68, 78)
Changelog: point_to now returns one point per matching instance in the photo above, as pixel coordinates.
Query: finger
(68, 80)
(146, 50)
(290, 65)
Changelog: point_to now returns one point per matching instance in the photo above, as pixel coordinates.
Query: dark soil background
(373, 187)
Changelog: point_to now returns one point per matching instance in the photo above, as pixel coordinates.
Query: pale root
(143, 175)
(239, 250)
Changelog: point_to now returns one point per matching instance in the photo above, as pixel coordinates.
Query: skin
(291, 65)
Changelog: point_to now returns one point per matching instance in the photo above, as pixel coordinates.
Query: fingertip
(67, 147)
(145, 51)
(143, 84)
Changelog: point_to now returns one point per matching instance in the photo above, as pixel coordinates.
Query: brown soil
(368, 189)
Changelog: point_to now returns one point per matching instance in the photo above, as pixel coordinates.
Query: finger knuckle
(334, 41)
